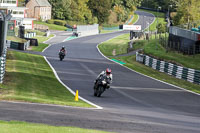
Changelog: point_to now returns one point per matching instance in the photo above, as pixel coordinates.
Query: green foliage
(119, 45)
(52, 26)
(100, 9)
(29, 78)
(16, 39)
(57, 22)
(50, 21)
(124, 8)
(164, 4)
(60, 22)
(74, 10)
(161, 27)
(187, 11)
(150, 48)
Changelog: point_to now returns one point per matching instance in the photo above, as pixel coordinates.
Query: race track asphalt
(134, 104)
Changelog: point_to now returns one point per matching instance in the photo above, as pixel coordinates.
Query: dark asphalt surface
(134, 104)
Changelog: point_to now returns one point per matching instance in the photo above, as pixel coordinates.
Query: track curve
(135, 103)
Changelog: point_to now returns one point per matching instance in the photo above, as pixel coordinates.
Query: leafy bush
(60, 22)
(74, 23)
(51, 21)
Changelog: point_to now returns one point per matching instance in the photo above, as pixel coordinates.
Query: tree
(100, 9)
(81, 12)
(74, 10)
(124, 8)
(187, 11)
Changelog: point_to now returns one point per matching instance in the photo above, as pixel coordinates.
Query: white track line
(70, 90)
(47, 43)
(144, 74)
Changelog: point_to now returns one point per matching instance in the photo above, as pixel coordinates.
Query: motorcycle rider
(62, 50)
(107, 73)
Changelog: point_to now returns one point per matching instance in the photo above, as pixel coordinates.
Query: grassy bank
(23, 127)
(52, 26)
(119, 45)
(41, 45)
(150, 48)
(16, 39)
(29, 78)
(172, 56)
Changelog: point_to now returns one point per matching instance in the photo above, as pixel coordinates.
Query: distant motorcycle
(101, 85)
(61, 55)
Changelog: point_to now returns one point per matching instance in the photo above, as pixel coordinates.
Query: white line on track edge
(141, 73)
(55, 73)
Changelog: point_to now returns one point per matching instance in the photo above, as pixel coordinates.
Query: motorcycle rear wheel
(100, 91)
(95, 93)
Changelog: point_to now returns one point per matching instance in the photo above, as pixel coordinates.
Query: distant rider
(62, 50)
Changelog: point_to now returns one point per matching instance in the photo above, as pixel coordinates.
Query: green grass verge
(29, 78)
(39, 48)
(120, 42)
(52, 26)
(23, 127)
(16, 39)
(134, 65)
(172, 56)
(159, 15)
(41, 45)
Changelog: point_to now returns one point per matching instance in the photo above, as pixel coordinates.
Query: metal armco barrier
(3, 49)
(179, 72)
(3, 65)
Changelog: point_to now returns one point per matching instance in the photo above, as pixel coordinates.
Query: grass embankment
(42, 45)
(38, 33)
(151, 48)
(52, 26)
(29, 78)
(119, 45)
(160, 17)
(189, 61)
(23, 127)
(16, 39)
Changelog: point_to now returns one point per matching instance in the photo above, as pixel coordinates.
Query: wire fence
(178, 43)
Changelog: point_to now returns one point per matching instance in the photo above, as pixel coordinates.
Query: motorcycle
(101, 85)
(61, 55)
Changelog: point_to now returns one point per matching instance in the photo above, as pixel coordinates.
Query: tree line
(99, 11)
(182, 11)
(118, 11)
(93, 11)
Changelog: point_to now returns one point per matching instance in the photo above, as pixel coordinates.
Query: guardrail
(3, 65)
(195, 36)
(179, 72)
